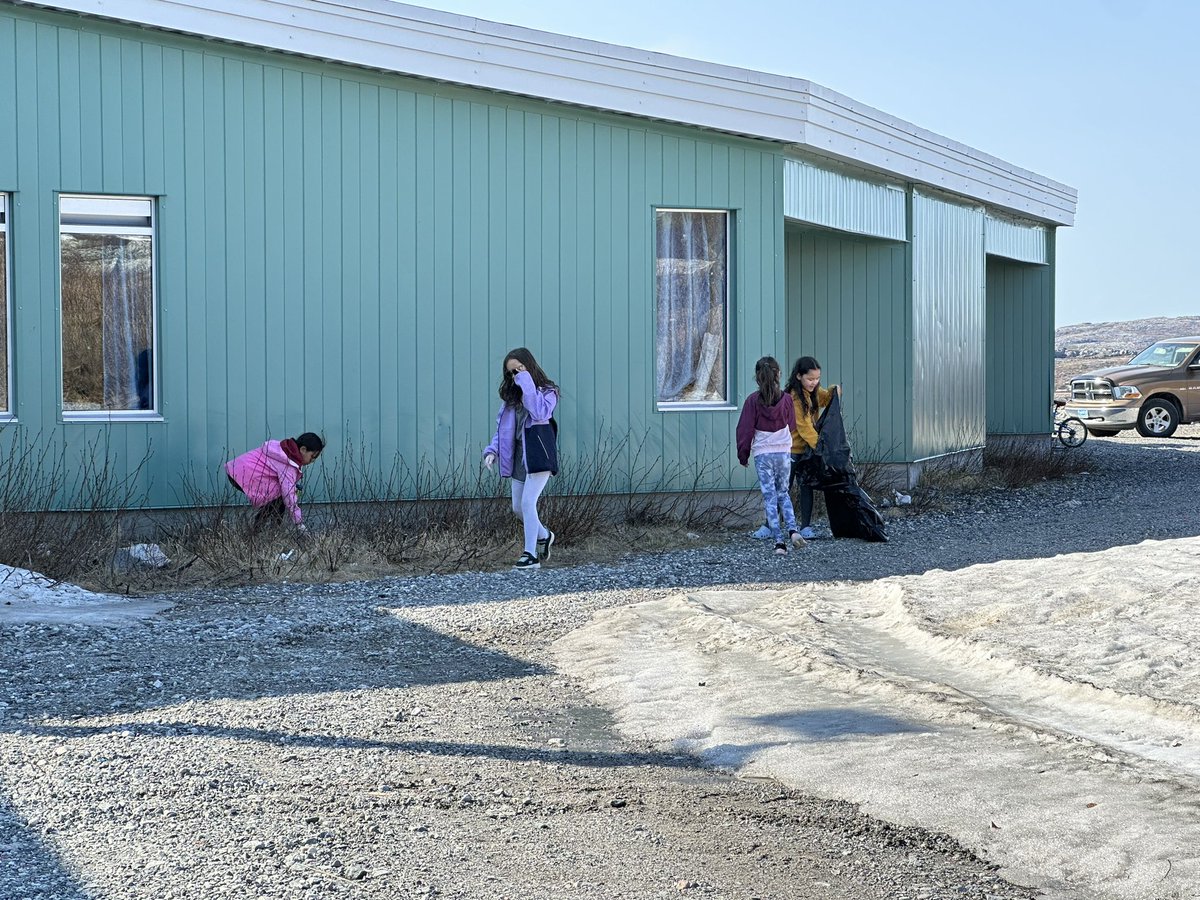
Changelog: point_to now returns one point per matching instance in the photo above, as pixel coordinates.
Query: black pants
(806, 494)
(272, 513)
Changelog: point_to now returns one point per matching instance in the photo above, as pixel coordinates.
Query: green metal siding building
(219, 225)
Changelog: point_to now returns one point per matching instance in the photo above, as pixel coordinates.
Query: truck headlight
(1125, 391)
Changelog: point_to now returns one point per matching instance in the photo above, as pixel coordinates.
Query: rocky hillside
(1119, 338)
(1097, 345)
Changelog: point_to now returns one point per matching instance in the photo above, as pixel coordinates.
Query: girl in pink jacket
(270, 476)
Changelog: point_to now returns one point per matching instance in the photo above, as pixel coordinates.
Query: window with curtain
(108, 306)
(5, 315)
(692, 306)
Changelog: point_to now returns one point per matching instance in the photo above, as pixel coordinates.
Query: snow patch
(27, 597)
(1044, 712)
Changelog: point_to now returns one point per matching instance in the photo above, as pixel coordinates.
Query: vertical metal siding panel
(151, 71)
(70, 141)
(417, 146)
(248, 201)
(43, 124)
(553, 221)
(327, 302)
(387, 346)
(583, 338)
(358, 367)
(194, 253)
(949, 397)
(112, 98)
(619, 305)
(299, 209)
(570, 141)
(639, 292)
(228, 218)
(281, 147)
(8, 102)
(452, 218)
(313, 243)
(516, 227)
(172, 282)
(597, 354)
(133, 139)
(215, 326)
(91, 113)
(480, 251)
(525, 284)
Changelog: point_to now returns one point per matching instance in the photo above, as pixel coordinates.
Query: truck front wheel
(1158, 418)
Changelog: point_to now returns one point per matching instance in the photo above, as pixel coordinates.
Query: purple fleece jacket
(758, 417)
(539, 404)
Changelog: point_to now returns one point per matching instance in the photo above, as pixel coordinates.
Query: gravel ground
(411, 739)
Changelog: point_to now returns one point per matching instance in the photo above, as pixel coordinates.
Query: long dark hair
(509, 392)
(808, 399)
(766, 373)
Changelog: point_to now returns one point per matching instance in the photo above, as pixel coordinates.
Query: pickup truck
(1155, 392)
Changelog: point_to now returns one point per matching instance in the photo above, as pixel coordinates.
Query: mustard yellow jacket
(805, 435)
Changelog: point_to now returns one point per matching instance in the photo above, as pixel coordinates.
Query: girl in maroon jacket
(765, 431)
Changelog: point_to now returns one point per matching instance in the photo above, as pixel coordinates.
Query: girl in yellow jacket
(809, 398)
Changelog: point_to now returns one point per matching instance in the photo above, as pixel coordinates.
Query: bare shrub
(60, 510)
(393, 517)
(1019, 463)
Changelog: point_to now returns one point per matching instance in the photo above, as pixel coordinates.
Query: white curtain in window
(119, 314)
(690, 300)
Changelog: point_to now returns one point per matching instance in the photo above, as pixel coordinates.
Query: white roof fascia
(411, 40)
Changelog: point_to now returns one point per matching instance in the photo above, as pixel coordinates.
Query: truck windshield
(1165, 353)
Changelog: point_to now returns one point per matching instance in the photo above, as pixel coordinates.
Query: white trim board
(411, 40)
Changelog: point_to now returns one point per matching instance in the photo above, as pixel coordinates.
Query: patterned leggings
(774, 470)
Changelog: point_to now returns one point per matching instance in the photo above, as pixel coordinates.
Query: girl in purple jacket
(528, 398)
(765, 431)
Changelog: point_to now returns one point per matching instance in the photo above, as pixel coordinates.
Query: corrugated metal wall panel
(1012, 239)
(848, 307)
(1020, 337)
(836, 200)
(948, 322)
(354, 252)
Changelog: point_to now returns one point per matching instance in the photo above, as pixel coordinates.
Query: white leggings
(525, 497)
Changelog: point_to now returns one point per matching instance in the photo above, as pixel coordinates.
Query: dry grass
(434, 518)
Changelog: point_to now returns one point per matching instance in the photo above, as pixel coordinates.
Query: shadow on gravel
(292, 741)
(257, 654)
(29, 867)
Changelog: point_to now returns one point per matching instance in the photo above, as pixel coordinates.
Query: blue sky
(1099, 94)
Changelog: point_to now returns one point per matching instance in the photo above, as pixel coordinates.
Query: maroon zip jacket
(758, 417)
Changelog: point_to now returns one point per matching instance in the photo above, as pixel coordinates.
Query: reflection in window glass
(107, 322)
(691, 298)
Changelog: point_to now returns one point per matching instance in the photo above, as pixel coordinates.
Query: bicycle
(1068, 430)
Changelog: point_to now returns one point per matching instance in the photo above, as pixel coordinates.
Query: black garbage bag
(830, 468)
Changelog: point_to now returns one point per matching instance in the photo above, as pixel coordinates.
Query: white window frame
(700, 405)
(108, 210)
(7, 414)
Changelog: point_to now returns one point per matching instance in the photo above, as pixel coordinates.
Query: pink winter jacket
(266, 474)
